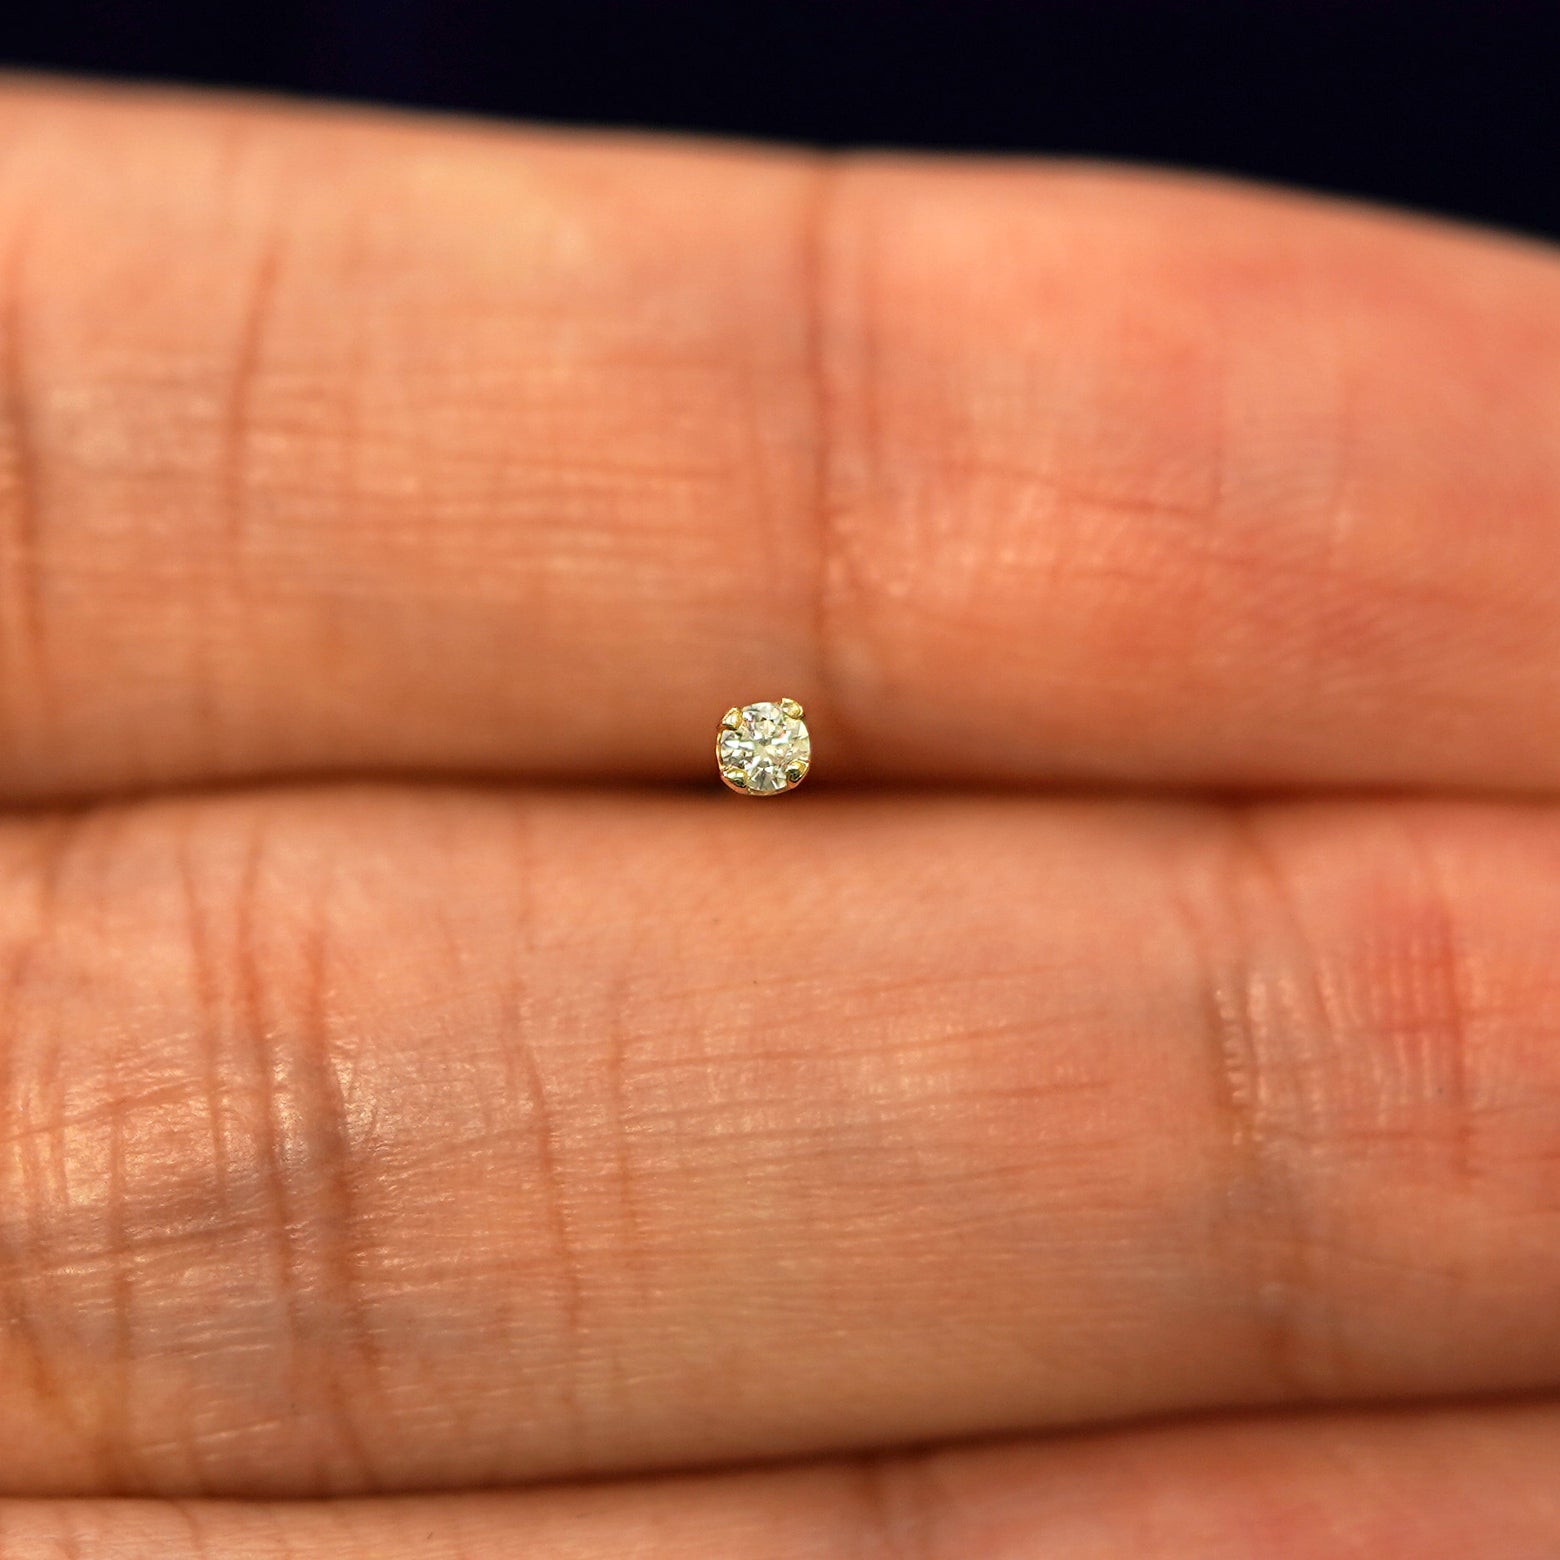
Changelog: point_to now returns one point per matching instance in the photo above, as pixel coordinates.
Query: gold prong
(732, 718)
(795, 773)
(792, 708)
(734, 778)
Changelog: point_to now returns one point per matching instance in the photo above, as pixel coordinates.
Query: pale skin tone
(1112, 1109)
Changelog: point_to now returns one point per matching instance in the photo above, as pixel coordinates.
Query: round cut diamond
(763, 749)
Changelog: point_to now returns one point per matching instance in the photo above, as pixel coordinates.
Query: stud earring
(763, 749)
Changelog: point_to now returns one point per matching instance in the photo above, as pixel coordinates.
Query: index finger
(345, 443)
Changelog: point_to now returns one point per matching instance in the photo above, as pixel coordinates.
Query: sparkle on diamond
(762, 746)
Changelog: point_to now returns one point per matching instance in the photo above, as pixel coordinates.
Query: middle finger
(359, 1139)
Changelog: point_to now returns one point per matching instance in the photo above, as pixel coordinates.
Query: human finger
(1439, 1485)
(344, 443)
(360, 1140)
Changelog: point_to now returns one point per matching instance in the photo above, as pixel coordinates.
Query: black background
(1454, 107)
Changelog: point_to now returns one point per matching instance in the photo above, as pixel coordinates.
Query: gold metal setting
(763, 749)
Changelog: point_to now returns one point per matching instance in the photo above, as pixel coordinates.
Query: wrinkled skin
(1113, 1109)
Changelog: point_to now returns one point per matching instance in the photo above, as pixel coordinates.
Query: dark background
(1450, 106)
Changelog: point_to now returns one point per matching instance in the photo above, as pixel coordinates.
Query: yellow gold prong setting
(763, 749)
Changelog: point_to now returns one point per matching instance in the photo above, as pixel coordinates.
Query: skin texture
(395, 1099)
(400, 1122)
(1345, 1487)
(348, 445)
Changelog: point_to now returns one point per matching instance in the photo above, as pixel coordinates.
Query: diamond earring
(763, 749)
